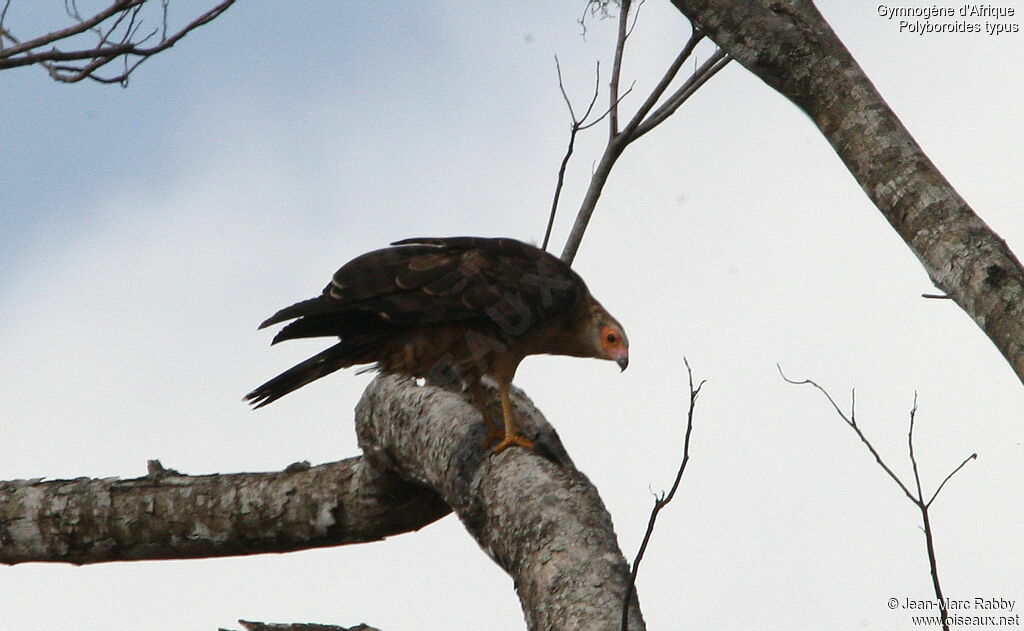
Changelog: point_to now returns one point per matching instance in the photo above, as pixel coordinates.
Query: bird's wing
(428, 280)
(462, 278)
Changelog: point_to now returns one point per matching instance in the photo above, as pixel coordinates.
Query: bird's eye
(611, 338)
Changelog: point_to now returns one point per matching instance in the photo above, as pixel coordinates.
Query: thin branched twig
(851, 420)
(613, 85)
(702, 75)
(663, 500)
(917, 497)
(648, 116)
(951, 474)
(573, 130)
(118, 29)
(577, 126)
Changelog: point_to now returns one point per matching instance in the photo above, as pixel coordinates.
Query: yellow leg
(494, 432)
(512, 437)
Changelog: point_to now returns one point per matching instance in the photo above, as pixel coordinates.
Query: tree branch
(639, 124)
(613, 85)
(167, 515)
(628, 134)
(948, 477)
(117, 30)
(660, 502)
(422, 458)
(790, 46)
(574, 129)
(701, 76)
(526, 511)
(851, 421)
(917, 499)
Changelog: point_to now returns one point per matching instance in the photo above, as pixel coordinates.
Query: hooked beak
(623, 362)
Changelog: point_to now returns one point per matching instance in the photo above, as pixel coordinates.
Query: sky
(145, 232)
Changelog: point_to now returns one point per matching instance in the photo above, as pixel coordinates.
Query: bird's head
(613, 343)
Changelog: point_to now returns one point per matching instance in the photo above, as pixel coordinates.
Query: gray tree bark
(790, 46)
(534, 514)
(167, 515)
(538, 517)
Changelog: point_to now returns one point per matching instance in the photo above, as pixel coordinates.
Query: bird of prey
(451, 311)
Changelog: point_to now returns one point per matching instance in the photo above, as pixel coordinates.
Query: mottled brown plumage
(450, 310)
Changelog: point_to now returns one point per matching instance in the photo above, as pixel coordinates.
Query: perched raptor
(450, 310)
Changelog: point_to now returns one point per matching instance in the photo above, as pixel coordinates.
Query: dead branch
(578, 125)
(422, 458)
(613, 85)
(660, 502)
(574, 128)
(702, 75)
(642, 121)
(118, 34)
(525, 510)
(916, 497)
(167, 515)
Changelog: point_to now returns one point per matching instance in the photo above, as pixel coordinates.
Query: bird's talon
(493, 434)
(514, 439)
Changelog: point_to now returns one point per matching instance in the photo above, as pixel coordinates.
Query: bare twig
(3, 18)
(851, 421)
(117, 28)
(662, 501)
(701, 76)
(951, 474)
(573, 130)
(923, 507)
(917, 497)
(577, 126)
(641, 122)
(585, 126)
(164, 6)
(910, 448)
(628, 134)
(636, 18)
(613, 85)
(53, 36)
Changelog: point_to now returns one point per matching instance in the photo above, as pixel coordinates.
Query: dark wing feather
(340, 323)
(341, 355)
(309, 307)
(430, 280)
(496, 283)
(377, 273)
(503, 276)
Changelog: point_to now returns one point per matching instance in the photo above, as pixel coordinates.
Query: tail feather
(342, 324)
(341, 355)
(313, 306)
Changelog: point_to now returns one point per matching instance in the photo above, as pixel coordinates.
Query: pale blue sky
(144, 233)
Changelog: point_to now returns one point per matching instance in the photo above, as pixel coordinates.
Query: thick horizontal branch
(166, 515)
(790, 46)
(535, 514)
(538, 517)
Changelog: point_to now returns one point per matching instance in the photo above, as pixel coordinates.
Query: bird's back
(433, 308)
